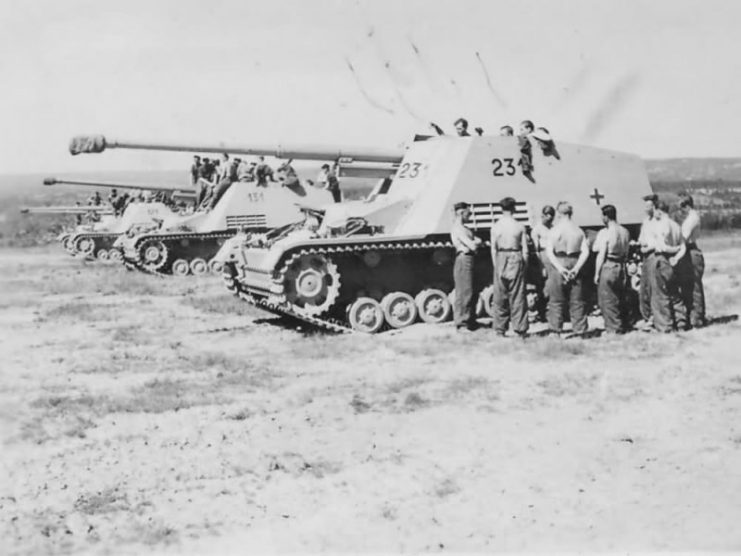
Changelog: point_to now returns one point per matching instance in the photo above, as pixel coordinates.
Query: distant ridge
(694, 169)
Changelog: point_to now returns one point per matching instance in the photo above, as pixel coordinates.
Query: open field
(146, 415)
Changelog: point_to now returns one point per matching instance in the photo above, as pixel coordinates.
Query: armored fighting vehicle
(388, 260)
(188, 244)
(96, 239)
(91, 212)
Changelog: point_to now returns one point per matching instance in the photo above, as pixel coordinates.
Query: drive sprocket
(311, 283)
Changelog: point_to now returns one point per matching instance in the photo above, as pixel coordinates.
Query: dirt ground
(143, 415)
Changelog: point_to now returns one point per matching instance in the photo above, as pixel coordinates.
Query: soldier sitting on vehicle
(264, 173)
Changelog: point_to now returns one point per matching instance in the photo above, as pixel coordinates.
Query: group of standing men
(671, 293)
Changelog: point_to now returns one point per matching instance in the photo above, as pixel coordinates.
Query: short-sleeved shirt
(691, 226)
(566, 238)
(617, 240)
(507, 234)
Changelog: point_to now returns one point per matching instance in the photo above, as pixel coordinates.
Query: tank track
(139, 264)
(233, 285)
(327, 323)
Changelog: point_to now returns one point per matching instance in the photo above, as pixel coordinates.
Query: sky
(657, 78)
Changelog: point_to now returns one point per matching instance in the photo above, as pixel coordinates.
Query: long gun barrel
(82, 209)
(180, 191)
(98, 144)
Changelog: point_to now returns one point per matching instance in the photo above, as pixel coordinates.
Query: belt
(468, 253)
(615, 259)
(562, 254)
(508, 250)
(649, 253)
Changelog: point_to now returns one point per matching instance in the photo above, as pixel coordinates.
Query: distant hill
(694, 169)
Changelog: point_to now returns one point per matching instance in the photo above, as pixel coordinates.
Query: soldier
(539, 236)
(611, 245)
(227, 176)
(246, 171)
(204, 182)
(692, 266)
(526, 149)
(327, 179)
(506, 131)
(461, 128)
(646, 241)
(263, 172)
(95, 199)
(567, 250)
(509, 258)
(465, 244)
(666, 304)
(195, 170)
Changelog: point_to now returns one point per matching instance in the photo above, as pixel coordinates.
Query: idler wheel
(180, 267)
(399, 309)
(198, 266)
(433, 306)
(311, 283)
(365, 315)
(216, 267)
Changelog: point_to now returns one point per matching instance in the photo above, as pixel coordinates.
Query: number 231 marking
(503, 166)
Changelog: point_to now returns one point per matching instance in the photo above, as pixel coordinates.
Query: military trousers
(611, 295)
(510, 302)
(464, 307)
(668, 311)
(644, 291)
(219, 191)
(691, 289)
(563, 293)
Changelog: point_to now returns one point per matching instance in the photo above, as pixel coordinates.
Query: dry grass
(226, 428)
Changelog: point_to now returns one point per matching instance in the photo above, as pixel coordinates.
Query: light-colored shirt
(691, 226)
(567, 237)
(462, 237)
(539, 235)
(615, 239)
(507, 234)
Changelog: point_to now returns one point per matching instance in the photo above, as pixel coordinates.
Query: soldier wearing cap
(506, 131)
(666, 304)
(465, 244)
(646, 241)
(509, 255)
(539, 236)
(611, 245)
(567, 250)
(692, 266)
